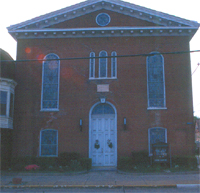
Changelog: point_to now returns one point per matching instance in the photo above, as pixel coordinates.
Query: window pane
(49, 142)
(48, 150)
(50, 92)
(11, 105)
(103, 64)
(50, 82)
(156, 93)
(103, 109)
(92, 65)
(114, 65)
(49, 137)
(3, 102)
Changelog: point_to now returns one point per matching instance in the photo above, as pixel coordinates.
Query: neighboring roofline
(113, 5)
(6, 54)
(103, 32)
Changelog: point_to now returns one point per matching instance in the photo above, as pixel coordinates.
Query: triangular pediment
(75, 16)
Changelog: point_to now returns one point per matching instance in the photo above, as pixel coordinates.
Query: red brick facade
(127, 93)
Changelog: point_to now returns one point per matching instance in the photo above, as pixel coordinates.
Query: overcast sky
(17, 11)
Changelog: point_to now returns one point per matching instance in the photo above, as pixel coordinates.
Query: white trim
(102, 28)
(40, 145)
(50, 109)
(90, 126)
(103, 32)
(103, 78)
(156, 108)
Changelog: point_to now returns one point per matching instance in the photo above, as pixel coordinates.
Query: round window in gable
(103, 19)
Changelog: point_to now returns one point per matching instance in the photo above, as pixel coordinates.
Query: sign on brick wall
(103, 88)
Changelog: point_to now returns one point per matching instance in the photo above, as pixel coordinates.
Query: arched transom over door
(103, 135)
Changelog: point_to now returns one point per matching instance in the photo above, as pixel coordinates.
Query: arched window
(103, 109)
(107, 68)
(49, 142)
(50, 83)
(155, 81)
(156, 135)
(92, 65)
(103, 64)
(114, 65)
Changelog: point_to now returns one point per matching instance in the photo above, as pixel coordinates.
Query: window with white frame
(49, 142)
(50, 83)
(155, 81)
(107, 68)
(7, 90)
(6, 103)
(156, 135)
(114, 65)
(103, 64)
(92, 65)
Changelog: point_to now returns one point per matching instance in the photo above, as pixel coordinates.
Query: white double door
(103, 140)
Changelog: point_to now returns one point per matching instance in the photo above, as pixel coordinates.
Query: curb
(103, 186)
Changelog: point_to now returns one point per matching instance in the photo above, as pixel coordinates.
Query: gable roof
(37, 26)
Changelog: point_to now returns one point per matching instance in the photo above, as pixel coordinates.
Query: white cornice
(7, 82)
(103, 32)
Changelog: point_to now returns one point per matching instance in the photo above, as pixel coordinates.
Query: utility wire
(96, 57)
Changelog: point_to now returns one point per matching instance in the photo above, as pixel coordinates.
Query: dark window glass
(103, 109)
(155, 70)
(50, 82)
(49, 143)
(11, 105)
(3, 102)
(103, 64)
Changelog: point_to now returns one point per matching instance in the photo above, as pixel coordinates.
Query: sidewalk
(100, 179)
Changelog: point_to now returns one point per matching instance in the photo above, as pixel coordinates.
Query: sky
(17, 11)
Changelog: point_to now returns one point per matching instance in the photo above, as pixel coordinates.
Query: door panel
(103, 140)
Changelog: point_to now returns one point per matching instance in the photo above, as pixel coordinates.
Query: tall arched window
(50, 83)
(155, 81)
(114, 65)
(92, 65)
(49, 142)
(103, 64)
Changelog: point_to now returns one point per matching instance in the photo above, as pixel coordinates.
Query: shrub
(19, 163)
(140, 158)
(184, 161)
(125, 163)
(65, 158)
(86, 163)
(46, 162)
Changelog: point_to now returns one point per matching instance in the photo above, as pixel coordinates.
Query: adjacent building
(7, 93)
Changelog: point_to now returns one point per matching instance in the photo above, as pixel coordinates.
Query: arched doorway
(103, 135)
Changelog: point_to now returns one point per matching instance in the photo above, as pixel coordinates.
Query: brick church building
(103, 78)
